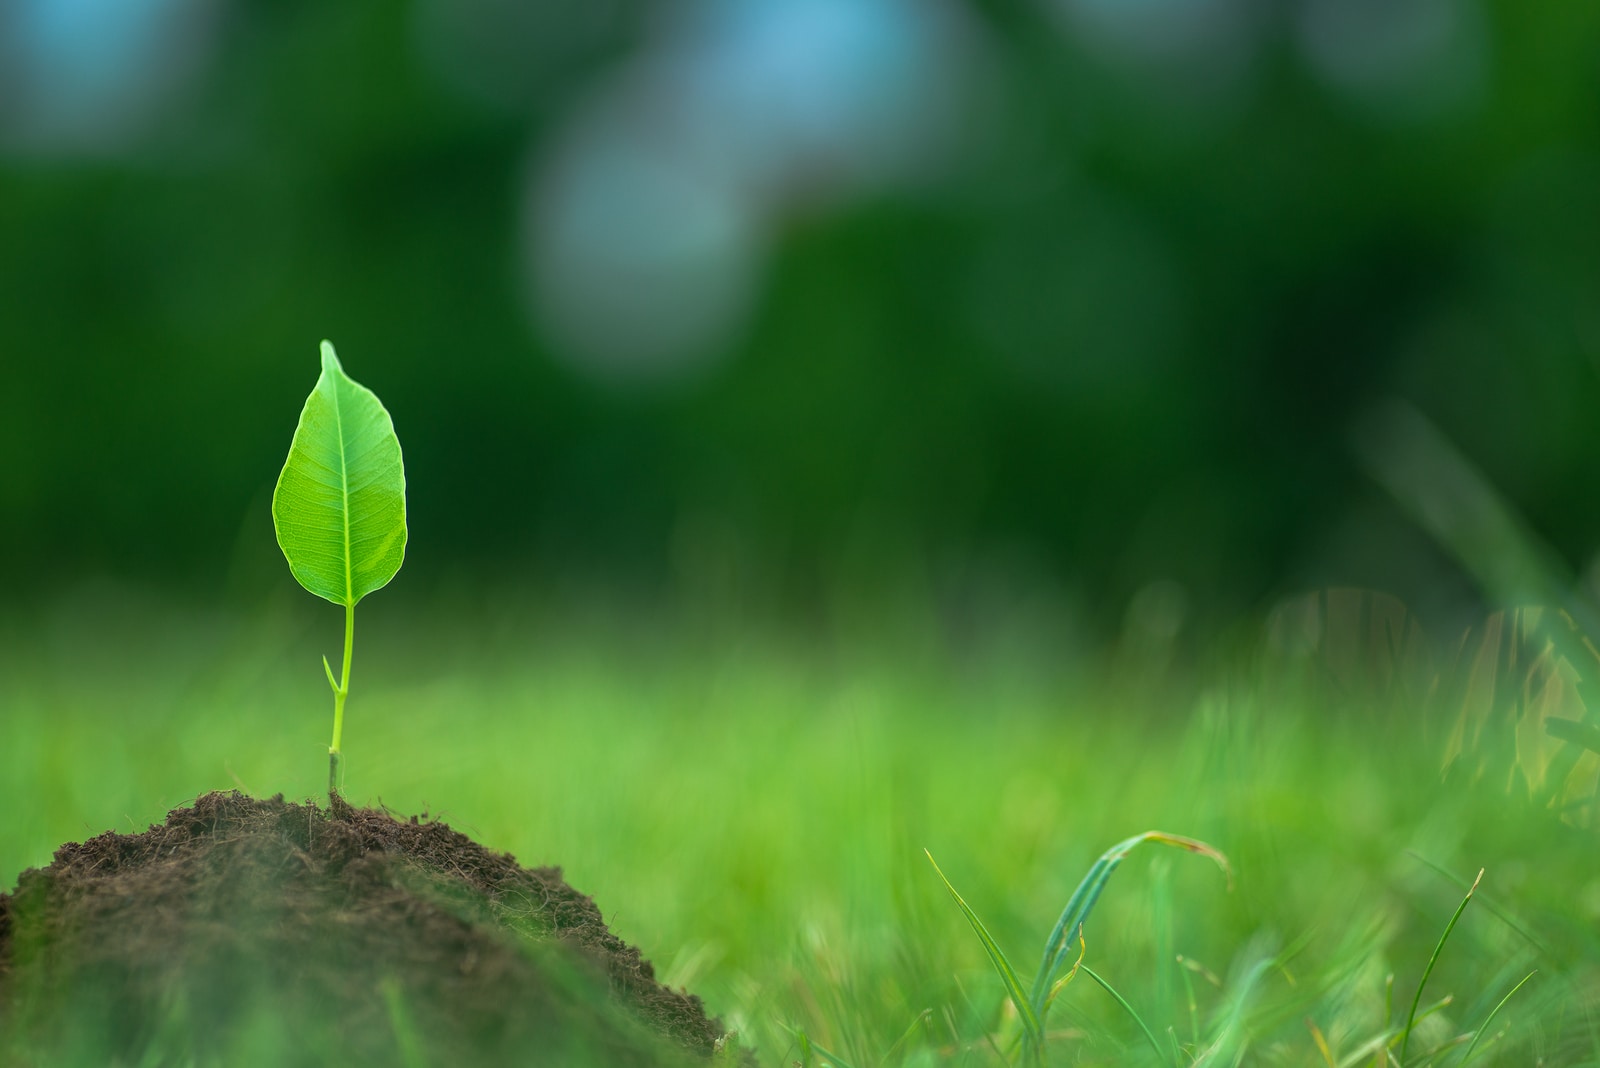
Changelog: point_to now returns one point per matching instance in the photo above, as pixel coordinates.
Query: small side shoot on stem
(339, 509)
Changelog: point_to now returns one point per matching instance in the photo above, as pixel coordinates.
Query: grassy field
(751, 806)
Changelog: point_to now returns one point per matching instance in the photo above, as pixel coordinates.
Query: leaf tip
(330, 359)
(1194, 845)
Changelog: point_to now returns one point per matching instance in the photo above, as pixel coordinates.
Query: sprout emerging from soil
(339, 509)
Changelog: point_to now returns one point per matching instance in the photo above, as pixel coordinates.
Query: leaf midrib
(344, 489)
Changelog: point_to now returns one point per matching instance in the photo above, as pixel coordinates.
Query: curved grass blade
(1484, 1027)
(1411, 1017)
(339, 508)
(1008, 974)
(1129, 1009)
(1087, 894)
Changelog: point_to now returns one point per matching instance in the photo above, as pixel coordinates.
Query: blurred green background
(798, 398)
(1018, 302)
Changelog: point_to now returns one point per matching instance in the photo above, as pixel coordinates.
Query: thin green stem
(340, 692)
(1109, 989)
(1484, 1027)
(1411, 1017)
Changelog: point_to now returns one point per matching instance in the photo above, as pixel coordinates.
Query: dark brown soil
(246, 931)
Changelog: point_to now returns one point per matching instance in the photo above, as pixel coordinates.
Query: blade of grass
(405, 1036)
(807, 1048)
(1442, 1003)
(1445, 1047)
(1467, 1056)
(1109, 989)
(1377, 1047)
(1453, 502)
(1321, 1043)
(990, 1038)
(1008, 974)
(833, 1059)
(1233, 1031)
(1574, 731)
(1411, 1017)
(1450, 499)
(1487, 902)
(1194, 1006)
(1088, 892)
(920, 1020)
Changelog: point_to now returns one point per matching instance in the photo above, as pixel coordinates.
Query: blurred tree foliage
(1123, 337)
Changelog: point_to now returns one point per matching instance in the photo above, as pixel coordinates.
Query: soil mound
(244, 931)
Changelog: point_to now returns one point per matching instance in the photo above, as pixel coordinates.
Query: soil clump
(262, 931)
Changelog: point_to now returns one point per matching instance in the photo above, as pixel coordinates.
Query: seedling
(339, 509)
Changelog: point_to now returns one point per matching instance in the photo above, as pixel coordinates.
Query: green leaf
(340, 504)
(1087, 895)
(1411, 1018)
(1002, 966)
(1150, 1036)
(1484, 1028)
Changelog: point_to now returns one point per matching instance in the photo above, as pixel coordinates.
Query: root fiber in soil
(251, 931)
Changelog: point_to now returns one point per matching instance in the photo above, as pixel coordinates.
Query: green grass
(751, 806)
